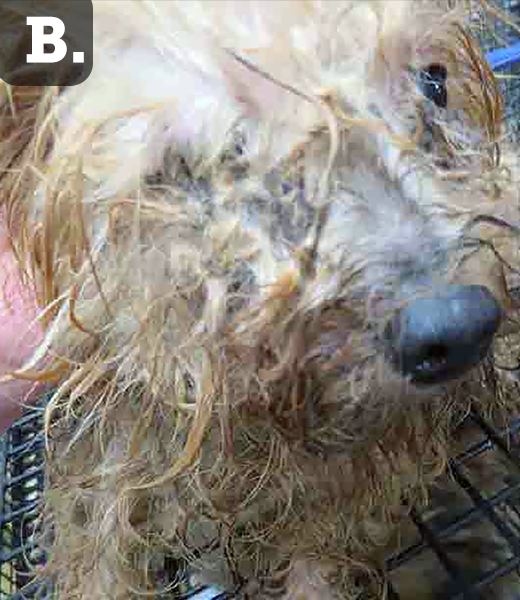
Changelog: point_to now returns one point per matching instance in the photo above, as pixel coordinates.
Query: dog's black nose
(433, 340)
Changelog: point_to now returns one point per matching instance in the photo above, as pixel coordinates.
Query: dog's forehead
(208, 65)
(247, 109)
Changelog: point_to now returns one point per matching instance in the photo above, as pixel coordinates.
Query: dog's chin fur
(217, 225)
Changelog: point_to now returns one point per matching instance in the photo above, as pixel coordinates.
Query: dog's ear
(266, 95)
(250, 85)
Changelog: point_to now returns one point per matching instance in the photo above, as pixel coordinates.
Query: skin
(18, 337)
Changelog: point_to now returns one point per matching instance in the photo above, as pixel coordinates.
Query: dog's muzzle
(433, 340)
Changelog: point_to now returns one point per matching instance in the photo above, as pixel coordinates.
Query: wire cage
(22, 451)
(21, 486)
(498, 511)
(501, 42)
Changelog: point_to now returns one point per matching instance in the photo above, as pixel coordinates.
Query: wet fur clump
(218, 225)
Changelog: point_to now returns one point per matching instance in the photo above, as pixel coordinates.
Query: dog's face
(273, 242)
(305, 207)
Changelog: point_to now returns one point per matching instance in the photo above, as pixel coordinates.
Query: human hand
(19, 335)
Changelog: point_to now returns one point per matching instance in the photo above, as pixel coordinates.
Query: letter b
(40, 38)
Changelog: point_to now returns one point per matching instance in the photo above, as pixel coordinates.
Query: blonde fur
(218, 224)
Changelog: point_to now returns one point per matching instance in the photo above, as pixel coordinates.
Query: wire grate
(497, 512)
(21, 485)
(501, 42)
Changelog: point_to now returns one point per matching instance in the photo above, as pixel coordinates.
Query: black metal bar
(494, 436)
(487, 508)
(451, 568)
(470, 516)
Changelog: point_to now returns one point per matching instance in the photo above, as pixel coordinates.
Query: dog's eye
(432, 81)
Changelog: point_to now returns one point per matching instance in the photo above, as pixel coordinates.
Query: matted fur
(218, 224)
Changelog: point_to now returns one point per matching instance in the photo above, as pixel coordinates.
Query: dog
(274, 248)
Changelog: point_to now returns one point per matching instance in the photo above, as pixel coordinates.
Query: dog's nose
(433, 340)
